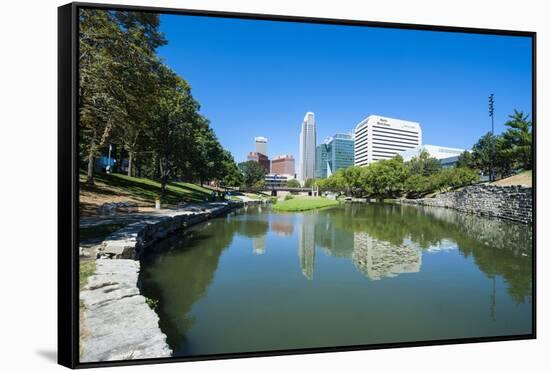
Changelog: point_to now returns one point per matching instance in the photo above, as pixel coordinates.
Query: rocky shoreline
(513, 203)
(119, 322)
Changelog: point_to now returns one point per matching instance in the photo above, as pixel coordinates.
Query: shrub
(289, 197)
(152, 303)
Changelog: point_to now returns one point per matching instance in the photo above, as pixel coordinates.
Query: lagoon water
(258, 280)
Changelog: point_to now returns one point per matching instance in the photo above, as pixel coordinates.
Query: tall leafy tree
(101, 90)
(424, 164)
(518, 142)
(465, 159)
(253, 172)
(490, 151)
(385, 178)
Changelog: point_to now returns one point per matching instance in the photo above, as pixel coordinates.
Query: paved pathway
(132, 217)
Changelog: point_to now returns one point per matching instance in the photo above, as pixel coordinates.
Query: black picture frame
(68, 187)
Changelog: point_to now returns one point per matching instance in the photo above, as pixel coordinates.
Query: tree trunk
(130, 162)
(163, 168)
(91, 153)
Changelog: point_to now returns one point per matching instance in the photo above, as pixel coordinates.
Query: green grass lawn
(304, 203)
(87, 268)
(148, 189)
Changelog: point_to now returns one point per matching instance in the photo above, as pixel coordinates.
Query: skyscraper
(308, 142)
(321, 161)
(335, 153)
(379, 138)
(261, 145)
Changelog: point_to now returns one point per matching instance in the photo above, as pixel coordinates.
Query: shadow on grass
(146, 189)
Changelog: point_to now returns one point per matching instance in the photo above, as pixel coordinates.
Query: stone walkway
(118, 322)
(132, 217)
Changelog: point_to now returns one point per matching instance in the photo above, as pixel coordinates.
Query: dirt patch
(524, 178)
(92, 197)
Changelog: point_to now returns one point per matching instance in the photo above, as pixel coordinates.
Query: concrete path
(132, 217)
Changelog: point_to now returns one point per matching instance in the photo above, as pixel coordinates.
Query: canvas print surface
(259, 185)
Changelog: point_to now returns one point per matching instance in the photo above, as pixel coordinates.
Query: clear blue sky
(259, 78)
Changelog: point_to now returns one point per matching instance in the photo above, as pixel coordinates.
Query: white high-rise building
(380, 138)
(308, 142)
(261, 145)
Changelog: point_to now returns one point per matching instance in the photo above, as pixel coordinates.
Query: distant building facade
(277, 180)
(261, 158)
(340, 152)
(308, 142)
(447, 156)
(321, 161)
(335, 153)
(283, 164)
(261, 145)
(379, 138)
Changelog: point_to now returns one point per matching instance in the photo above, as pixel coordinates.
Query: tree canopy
(130, 100)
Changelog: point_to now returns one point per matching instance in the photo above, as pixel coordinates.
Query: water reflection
(306, 248)
(379, 241)
(378, 259)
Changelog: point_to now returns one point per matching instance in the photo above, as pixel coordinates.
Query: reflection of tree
(180, 273)
(379, 259)
(252, 227)
(337, 242)
(498, 247)
(306, 247)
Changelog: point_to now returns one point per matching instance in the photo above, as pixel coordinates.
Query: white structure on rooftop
(446, 155)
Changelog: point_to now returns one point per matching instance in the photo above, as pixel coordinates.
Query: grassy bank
(304, 204)
(142, 191)
(87, 268)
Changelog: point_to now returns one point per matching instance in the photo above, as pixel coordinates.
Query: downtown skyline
(263, 76)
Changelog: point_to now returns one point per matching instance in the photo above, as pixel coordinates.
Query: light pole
(492, 115)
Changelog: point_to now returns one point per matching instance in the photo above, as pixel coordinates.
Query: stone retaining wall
(505, 202)
(118, 323)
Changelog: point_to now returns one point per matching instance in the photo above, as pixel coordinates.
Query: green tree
(100, 87)
(310, 182)
(491, 149)
(293, 183)
(418, 185)
(518, 140)
(253, 173)
(385, 178)
(424, 164)
(230, 173)
(465, 159)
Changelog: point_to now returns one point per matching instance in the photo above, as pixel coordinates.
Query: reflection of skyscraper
(308, 142)
(282, 228)
(306, 248)
(378, 259)
(259, 244)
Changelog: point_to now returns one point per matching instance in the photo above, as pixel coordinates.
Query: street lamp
(492, 115)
